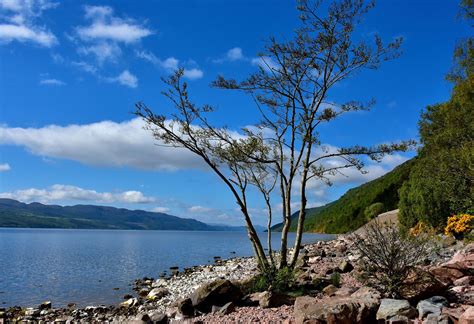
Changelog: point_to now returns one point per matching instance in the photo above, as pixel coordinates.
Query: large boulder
(421, 284)
(216, 293)
(392, 307)
(432, 305)
(335, 310)
(367, 293)
(267, 299)
(185, 307)
(462, 264)
(467, 317)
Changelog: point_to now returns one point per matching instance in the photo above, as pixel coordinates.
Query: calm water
(84, 266)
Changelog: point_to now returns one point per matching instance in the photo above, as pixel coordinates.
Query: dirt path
(390, 217)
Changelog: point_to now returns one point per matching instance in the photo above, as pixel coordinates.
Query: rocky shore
(442, 292)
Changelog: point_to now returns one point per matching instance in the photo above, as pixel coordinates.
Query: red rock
(421, 284)
(336, 310)
(468, 316)
(464, 281)
(459, 266)
(452, 313)
(447, 274)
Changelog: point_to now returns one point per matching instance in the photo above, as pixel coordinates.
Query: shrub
(388, 256)
(459, 225)
(336, 279)
(374, 210)
(278, 280)
(421, 228)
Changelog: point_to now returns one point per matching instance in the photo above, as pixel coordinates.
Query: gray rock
(393, 307)
(345, 267)
(129, 303)
(32, 312)
(227, 309)
(158, 318)
(157, 293)
(45, 305)
(399, 319)
(270, 299)
(218, 293)
(185, 307)
(335, 310)
(436, 319)
(431, 305)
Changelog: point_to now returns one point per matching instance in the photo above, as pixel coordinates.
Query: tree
(441, 183)
(282, 151)
(442, 180)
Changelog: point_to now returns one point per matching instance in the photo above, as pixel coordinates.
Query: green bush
(374, 210)
(277, 280)
(442, 181)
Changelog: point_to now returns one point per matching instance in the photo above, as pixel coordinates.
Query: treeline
(441, 183)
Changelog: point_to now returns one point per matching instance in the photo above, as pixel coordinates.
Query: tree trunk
(269, 234)
(257, 244)
(302, 213)
(285, 229)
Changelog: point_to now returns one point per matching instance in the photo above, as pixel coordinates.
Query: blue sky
(71, 72)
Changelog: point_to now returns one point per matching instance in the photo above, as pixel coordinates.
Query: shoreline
(163, 300)
(179, 286)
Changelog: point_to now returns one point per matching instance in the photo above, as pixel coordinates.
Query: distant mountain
(347, 213)
(222, 227)
(17, 214)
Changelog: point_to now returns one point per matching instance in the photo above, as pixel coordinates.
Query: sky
(71, 72)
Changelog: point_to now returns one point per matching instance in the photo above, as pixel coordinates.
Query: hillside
(347, 213)
(17, 214)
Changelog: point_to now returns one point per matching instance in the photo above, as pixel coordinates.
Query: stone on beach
(216, 293)
(392, 307)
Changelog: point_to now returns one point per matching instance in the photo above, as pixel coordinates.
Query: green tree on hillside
(442, 182)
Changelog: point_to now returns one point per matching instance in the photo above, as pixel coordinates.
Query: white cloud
(160, 209)
(103, 51)
(18, 21)
(98, 12)
(232, 55)
(89, 68)
(199, 209)
(170, 65)
(121, 32)
(235, 54)
(5, 167)
(59, 192)
(53, 82)
(193, 74)
(105, 26)
(9, 32)
(265, 62)
(104, 143)
(125, 78)
(105, 32)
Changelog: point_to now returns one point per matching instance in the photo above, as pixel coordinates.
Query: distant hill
(347, 213)
(17, 214)
(222, 227)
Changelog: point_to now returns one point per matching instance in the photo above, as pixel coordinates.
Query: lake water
(84, 266)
